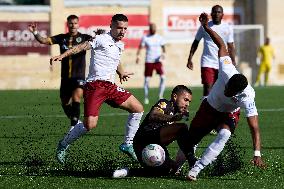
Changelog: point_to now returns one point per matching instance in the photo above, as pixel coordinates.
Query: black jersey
(166, 107)
(73, 66)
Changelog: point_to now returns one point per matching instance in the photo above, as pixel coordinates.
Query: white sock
(132, 126)
(211, 152)
(74, 133)
(146, 87)
(162, 86)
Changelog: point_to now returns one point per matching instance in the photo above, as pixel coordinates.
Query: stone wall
(33, 71)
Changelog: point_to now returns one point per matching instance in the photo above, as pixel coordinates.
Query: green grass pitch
(32, 122)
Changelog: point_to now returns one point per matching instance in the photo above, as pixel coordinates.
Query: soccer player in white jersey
(209, 59)
(220, 110)
(100, 86)
(155, 55)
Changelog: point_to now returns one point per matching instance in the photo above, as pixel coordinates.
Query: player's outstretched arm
(255, 133)
(203, 18)
(157, 115)
(191, 53)
(33, 28)
(138, 54)
(74, 50)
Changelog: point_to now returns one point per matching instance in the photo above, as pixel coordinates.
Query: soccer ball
(153, 155)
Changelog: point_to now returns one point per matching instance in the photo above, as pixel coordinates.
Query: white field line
(112, 114)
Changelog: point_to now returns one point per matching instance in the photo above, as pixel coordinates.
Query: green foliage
(32, 122)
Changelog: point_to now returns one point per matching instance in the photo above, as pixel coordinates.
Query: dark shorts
(208, 75)
(150, 67)
(98, 92)
(144, 138)
(207, 118)
(67, 86)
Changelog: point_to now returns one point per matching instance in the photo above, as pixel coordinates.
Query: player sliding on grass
(221, 109)
(161, 126)
(100, 86)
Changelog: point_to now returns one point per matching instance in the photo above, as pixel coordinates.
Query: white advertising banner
(181, 23)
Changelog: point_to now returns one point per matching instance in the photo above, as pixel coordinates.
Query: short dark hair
(119, 17)
(217, 6)
(72, 17)
(181, 88)
(237, 83)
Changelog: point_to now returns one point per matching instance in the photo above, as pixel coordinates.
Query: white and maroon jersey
(105, 57)
(209, 56)
(220, 102)
(153, 44)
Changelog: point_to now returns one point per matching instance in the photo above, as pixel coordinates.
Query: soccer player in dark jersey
(72, 67)
(161, 126)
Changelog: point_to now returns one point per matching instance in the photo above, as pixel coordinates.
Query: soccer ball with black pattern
(153, 155)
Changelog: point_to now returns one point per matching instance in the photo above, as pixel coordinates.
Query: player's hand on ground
(32, 27)
(124, 76)
(189, 64)
(203, 18)
(55, 58)
(257, 161)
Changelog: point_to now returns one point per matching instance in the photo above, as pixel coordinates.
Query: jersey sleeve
(95, 42)
(226, 68)
(249, 106)
(143, 41)
(199, 34)
(88, 37)
(56, 39)
(161, 105)
(250, 109)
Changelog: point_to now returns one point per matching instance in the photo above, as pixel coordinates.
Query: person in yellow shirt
(266, 55)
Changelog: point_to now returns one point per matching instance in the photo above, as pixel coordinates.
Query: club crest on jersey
(78, 39)
(163, 105)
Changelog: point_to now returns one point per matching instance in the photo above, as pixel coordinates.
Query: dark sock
(186, 146)
(75, 114)
(67, 109)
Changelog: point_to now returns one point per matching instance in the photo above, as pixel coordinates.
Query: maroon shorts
(208, 75)
(207, 118)
(149, 67)
(98, 92)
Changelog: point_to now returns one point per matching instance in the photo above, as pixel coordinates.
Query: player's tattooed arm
(77, 48)
(74, 50)
(43, 40)
(157, 114)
